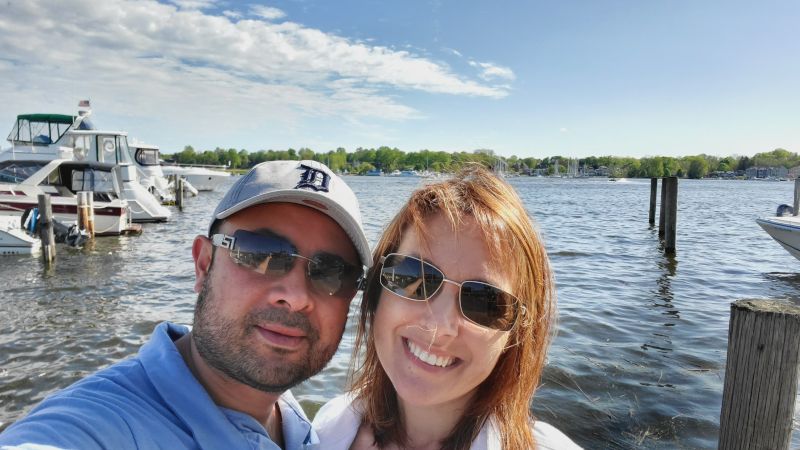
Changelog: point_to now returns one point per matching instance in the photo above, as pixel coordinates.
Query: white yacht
(784, 228)
(21, 182)
(148, 162)
(202, 178)
(47, 137)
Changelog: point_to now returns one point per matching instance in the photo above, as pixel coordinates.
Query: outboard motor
(784, 210)
(69, 234)
(63, 233)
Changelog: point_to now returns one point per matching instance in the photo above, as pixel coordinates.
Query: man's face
(271, 332)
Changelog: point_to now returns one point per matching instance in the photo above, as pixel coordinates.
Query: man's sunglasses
(481, 303)
(274, 256)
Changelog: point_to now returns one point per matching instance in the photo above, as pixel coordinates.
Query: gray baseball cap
(308, 183)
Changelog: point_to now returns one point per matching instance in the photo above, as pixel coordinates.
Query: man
(274, 277)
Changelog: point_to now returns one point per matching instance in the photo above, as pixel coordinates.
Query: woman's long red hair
(514, 245)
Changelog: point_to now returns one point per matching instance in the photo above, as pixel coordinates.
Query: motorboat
(148, 161)
(202, 178)
(784, 227)
(22, 181)
(46, 137)
(14, 239)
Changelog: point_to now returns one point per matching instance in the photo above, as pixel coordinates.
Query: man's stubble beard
(223, 344)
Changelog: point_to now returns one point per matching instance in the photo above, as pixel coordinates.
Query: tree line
(388, 159)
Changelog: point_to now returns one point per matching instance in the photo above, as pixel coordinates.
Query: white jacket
(337, 423)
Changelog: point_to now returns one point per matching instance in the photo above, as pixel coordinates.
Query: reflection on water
(638, 360)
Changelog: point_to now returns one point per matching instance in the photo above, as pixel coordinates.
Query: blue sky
(526, 78)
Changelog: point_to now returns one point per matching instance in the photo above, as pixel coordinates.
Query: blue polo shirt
(151, 401)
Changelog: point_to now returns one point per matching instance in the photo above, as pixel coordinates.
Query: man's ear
(202, 252)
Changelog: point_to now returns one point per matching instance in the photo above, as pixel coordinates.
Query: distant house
(794, 172)
(602, 171)
(767, 172)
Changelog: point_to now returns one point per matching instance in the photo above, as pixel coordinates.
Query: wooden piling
(179, 192)
(760, 375)
(796, 204)
(90, 201)
(46, 228)
(86, 212)
(670, 214)
(83, 211)
(653, 191)
(661, 208)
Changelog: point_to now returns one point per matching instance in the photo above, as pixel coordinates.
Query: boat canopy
(40, 129)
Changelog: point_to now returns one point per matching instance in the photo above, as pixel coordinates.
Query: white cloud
(491, 71)
(453, 51)
(563, 130)
(193, 4)
(207, 73)
(267, 12)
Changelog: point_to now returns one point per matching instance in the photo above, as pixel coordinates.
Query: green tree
(698, 167)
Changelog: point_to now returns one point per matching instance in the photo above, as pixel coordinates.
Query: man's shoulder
(91, 413)
(116, 407)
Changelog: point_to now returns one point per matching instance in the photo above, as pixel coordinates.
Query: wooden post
(46, 228)
(661, 208)
(760, 375)
(86, 212)
(83, 211)
(671, 214)
(90, 202)
(653, 191)
(179, 192)
(796, 204)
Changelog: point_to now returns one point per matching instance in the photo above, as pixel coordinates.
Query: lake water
(638, 361)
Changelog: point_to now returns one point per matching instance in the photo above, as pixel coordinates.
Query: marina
(638, 361)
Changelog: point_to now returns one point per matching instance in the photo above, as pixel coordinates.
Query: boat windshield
(97, 181)
(19, 171)
(39, 129)
(146, 156)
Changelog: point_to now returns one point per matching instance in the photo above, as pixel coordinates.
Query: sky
(527, 78)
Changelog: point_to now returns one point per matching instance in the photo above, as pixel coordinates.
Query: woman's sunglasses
(274, 256)
(481, 303)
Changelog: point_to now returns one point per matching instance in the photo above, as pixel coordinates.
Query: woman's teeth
(428, 358)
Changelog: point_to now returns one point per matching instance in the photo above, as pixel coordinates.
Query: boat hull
(108, 220)
(785, 230)
(14, 240)
(201, 178)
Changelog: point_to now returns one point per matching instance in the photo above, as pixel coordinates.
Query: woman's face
(430, 351)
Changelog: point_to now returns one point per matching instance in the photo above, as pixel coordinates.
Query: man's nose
(292, 290)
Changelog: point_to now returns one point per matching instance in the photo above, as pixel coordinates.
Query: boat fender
(30, 220)
(784, 210)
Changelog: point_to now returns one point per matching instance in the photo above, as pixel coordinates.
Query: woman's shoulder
(337, 422)
(549, 437)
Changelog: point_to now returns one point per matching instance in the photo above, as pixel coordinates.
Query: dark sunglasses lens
(410, 277)
(488, 306)
(330, 274)
(269, 255)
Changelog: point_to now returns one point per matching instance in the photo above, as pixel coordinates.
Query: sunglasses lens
(330, 274)
(410, 277)
(488, 306)
(269, 255)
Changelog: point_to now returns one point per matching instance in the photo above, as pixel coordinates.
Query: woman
(455, 322)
